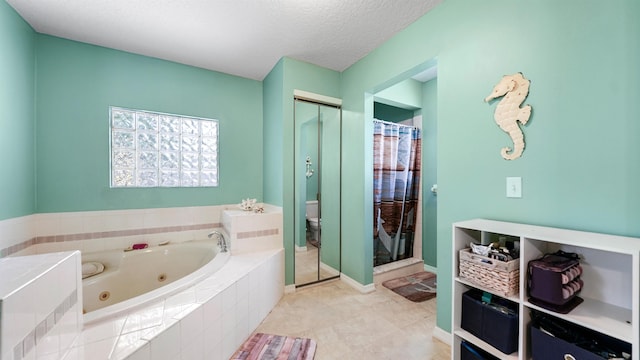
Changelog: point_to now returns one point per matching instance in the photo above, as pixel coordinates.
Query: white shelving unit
(611, 281)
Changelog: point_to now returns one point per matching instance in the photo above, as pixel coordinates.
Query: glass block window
(150, 149)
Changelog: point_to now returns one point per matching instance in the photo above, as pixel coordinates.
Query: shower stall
(396, 185)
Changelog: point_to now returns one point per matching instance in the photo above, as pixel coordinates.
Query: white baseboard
(365, 289)
(430, 268)
(442, 335)
(301, 248)
(329, 269)
(289, 289)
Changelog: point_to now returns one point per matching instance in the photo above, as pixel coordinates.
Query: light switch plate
(514, 187)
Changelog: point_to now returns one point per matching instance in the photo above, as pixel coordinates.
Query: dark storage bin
(472, 314)
(495, 323)
(571, 341)
(545, 347)
(469, 351)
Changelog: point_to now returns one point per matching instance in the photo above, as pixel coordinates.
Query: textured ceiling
(239, 37)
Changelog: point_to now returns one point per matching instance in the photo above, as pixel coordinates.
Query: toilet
(312, 219)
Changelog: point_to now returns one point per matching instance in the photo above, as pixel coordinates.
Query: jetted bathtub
(116, 281)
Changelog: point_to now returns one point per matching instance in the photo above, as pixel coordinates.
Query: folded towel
(91, 268)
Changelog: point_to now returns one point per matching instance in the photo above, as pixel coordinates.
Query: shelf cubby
(611, 275)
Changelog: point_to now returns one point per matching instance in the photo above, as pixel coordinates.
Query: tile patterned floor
(349, 325)
(307, 266)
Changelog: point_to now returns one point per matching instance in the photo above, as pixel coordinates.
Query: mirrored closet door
(317, 148)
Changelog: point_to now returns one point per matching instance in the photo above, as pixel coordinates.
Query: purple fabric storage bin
(554, 282)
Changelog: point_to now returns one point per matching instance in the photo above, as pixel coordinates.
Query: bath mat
(275, 347)
(416, 287)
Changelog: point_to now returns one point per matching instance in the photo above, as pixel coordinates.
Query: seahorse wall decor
(513, 89)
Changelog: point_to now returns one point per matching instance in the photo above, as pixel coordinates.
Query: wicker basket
(501, 277)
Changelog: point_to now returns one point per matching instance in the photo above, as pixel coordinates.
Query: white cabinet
(611, 275)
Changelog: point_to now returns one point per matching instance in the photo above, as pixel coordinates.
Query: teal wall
(76, 85)
(581, 163)
(429, 172)
(391, 113)
(273, 154)
(579, 170)
(299, 75)
(17, 115)
(405, 94)
(287, 76)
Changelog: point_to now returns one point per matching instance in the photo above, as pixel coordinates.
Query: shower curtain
(396, 179)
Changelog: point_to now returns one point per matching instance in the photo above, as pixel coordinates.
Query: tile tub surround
(18, 234)
(122, 242)
(94, 231)
(207, 321)
(40, 305)
(249, 231)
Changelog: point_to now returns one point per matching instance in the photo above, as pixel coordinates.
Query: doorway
(410, 99)
(317, 188)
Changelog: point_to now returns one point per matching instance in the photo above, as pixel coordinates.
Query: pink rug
(274, 347)
(416, 287)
